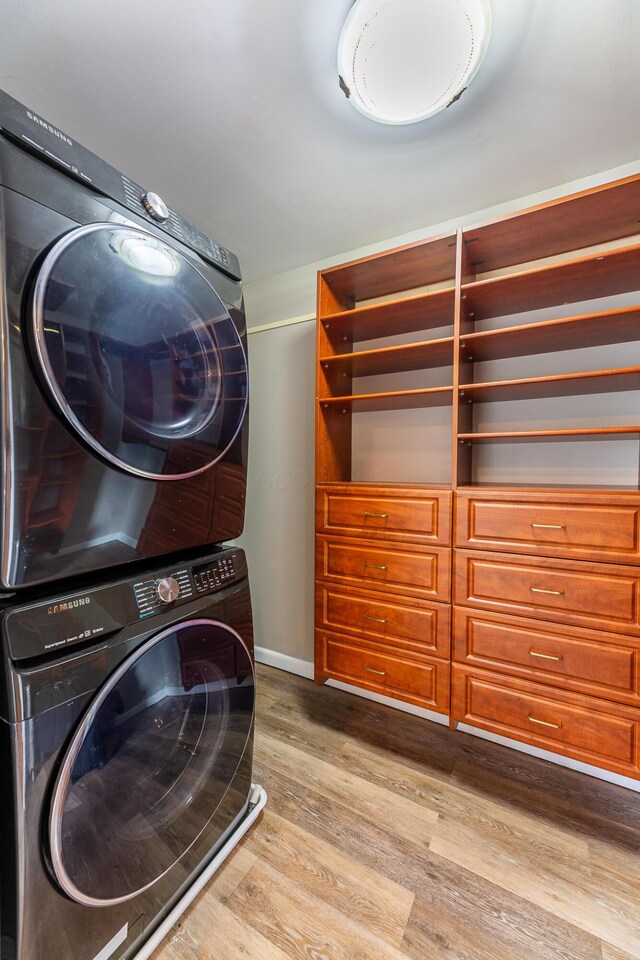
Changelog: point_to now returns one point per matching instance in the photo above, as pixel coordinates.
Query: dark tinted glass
(139, 351)
(148, 770)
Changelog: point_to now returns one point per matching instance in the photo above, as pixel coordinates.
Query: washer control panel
(154, 593)
(91, 615)
(214, 574)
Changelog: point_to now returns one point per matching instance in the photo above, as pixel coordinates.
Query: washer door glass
(138, 351)
(150, 762)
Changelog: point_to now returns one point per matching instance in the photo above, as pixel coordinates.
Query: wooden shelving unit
(538, 578)
(346, 318)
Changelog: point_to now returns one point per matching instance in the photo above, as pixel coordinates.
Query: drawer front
(416, 571)
(587, 661)
(376, 512)
(424, 682)
(422, 628)
(588, 529)
(586, 594)
(605, 735)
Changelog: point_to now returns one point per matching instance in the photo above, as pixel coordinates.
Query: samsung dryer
(123, 366)
(126, 735)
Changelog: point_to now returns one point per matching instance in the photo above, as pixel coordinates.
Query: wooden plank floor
(386, 837)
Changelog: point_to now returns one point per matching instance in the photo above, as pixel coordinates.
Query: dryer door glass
(151, 762)
(138, 351)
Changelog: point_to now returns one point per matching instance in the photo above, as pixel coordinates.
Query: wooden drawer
(409, 514)
(421, 681)
(417, 626)
(414, 571)
(599, 595)
(593, 731)
(587, 661)
(584, 526)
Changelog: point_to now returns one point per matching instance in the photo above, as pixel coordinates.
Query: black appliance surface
(126, 736)
(123, 362)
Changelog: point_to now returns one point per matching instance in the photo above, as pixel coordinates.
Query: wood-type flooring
(386, 837)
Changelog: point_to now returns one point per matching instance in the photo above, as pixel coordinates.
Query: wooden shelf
(395, 400)
(586, 278)
(551, 487)
(412, 356)
(422, 312)
(392, 486)
(598, 215)
(566, 385)
(571, 333)
(600, 433)
(414, 265)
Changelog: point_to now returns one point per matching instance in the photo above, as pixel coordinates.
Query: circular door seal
(150, 762)
(138, 352)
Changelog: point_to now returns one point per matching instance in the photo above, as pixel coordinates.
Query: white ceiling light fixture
(401, 61)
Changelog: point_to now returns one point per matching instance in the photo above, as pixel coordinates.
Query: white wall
(279, 527)
(278, 536)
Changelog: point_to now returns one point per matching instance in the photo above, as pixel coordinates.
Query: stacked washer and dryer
(126, 665)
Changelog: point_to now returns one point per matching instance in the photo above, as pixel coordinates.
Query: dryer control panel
(35, 134)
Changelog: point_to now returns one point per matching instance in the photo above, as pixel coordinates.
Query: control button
(155, 206)
(168, 589)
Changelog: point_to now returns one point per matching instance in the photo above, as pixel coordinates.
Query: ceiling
(232, 112)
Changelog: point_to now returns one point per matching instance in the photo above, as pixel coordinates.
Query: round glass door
(150, 762)
(138, 351)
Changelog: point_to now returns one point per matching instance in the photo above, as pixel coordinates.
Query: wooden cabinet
(388, 597)
(510, 350)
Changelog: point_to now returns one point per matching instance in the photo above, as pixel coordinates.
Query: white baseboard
(390, 702)
(568, 762)
(304, 668)
(272, 658)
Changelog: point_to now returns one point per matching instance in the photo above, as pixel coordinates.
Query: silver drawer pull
(555, 593)
(544, 656)
(381, 673)
(380, 516)
(374, 619)
(544, 723)
(374, 566)
(550, 526)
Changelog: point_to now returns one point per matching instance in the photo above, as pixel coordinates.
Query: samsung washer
(126, 734)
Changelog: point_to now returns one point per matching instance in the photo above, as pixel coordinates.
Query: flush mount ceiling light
(401, 61)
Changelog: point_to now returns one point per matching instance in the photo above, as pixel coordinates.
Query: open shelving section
(577, 251)
(413, 289)
(497, 582)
